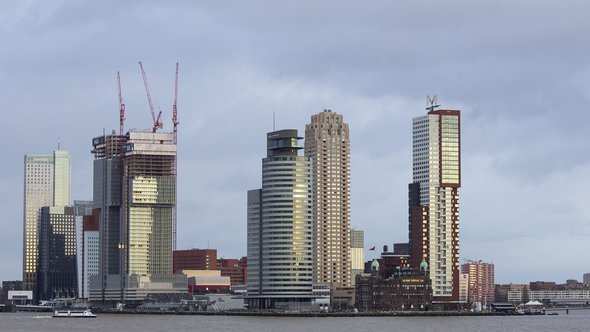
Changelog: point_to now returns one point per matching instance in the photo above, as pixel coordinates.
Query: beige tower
(327, 142)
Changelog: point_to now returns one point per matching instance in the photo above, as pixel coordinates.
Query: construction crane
(156, 120)
(174, 114)
(121, 108)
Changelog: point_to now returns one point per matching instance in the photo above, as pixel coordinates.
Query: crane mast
(121, 107)
(156, 120)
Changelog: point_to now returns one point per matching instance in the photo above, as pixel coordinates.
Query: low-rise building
(375, 293)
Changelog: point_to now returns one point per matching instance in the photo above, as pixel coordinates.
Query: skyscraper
(46, 183)
(57, 273)
(280, 232)
(327, 144)
(434, 200)
(135, 193)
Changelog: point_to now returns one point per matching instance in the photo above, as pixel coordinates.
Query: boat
(73, 313)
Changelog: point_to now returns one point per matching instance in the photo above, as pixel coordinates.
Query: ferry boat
(73, 313)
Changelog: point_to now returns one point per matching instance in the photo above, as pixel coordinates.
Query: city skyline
(518, 77)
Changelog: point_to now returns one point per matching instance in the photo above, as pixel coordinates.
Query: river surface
(575, 321)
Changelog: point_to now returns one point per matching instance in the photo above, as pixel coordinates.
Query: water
(575, 321)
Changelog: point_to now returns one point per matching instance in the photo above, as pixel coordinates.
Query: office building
(81, 209)
(90, 252)
(57, 274)
(481, 281)
(327, 144)
(434, 200)
(135, 194)
(46, 183)
(280, 230)
(235, 269)
(194, 259)
(586, 279)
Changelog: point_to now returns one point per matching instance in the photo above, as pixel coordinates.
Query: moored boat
(73, 313)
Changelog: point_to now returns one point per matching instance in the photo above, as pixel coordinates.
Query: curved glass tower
(280, 231)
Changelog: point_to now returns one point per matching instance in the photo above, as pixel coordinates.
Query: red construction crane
(156, 120)
(121, 107)
(174, 114)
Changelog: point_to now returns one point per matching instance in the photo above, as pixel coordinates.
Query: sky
(517, 70)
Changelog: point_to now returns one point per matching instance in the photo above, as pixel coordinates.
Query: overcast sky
(519, 71)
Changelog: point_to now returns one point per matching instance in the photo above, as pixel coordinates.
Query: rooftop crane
(121, 107)
(174, 114)
(156, 120)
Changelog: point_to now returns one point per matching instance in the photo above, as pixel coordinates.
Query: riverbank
(316, 314)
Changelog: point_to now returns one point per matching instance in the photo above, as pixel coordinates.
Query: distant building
(586, 279)
(463, 287)
(90, 252)
(434, 200)
(235, 269)
(194, 259)
(401, 248)
(81, 209)
(501, 291)
(357, 252)
(280, 230)
(391, 263)
(207, 281)
(554, 297)
(375, 293)
(46, 183)
(481, 281)
(542, 285)
(57, 276)
(8, 286)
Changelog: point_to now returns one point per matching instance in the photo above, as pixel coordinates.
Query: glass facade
(46, 183)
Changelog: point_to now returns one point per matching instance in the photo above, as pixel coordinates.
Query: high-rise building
(280, 232)
(481, 282)
(586, 279)
(46, 183)
(434, 200)
(357, 252)
(135, 194)
(57, 273)
(327, 144)
(90, 252)
(81, 209)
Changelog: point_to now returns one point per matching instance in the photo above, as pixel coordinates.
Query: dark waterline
(575, 321)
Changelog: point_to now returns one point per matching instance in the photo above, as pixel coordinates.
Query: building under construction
(135, 195)
(135, 192)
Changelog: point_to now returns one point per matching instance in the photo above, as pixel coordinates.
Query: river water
(575, 321)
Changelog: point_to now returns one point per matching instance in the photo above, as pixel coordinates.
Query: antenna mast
(431, 103)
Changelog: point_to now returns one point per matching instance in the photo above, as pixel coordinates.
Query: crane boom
(174, 112)
(156, 120)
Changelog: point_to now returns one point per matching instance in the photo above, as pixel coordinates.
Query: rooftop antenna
(58, 143)
(431, 103)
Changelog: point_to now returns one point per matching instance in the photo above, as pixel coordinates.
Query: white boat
(73, 313)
